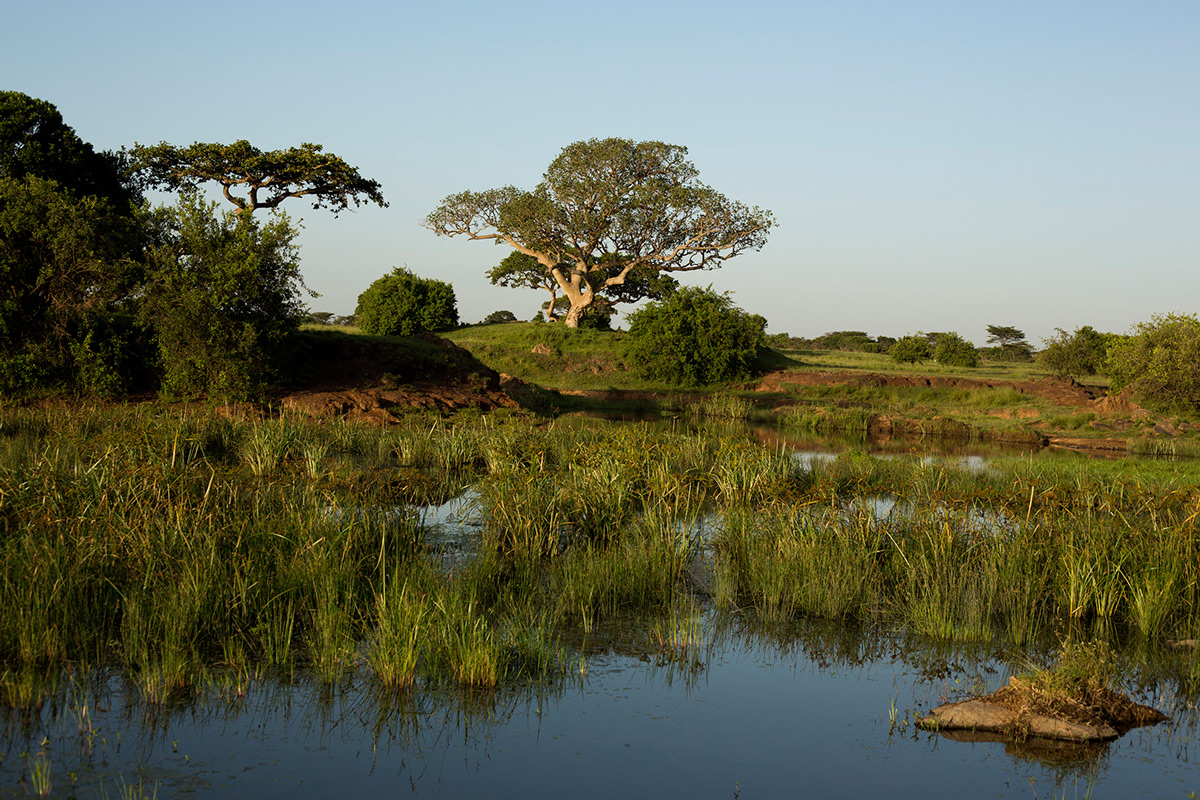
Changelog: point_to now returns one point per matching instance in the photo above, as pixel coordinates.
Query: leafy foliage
(1160, 363)
(604, 208)
(911, 349)
(854, 341)
(1075, 354)
(1010, 343)
(306, 170)
(63, 277)
(402, 304)
(222, 297)
(519, 270)
(694, 337)
(955, 351)
(504, 315)
(36, 143)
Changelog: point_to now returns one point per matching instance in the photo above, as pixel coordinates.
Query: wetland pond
(817, 710)
(698, 703)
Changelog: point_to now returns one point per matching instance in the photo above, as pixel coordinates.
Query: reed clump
(175, 544)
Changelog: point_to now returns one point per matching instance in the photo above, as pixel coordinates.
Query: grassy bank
(177, 545)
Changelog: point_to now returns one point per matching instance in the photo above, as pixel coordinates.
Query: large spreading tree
(520, 271)
(607, 207)
(252, 179)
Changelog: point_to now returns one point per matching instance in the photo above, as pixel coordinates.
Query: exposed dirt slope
(371, 378)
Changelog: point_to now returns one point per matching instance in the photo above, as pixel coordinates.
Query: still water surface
(804, 714)
(816, 711)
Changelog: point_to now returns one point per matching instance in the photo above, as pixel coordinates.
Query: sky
(933, 166)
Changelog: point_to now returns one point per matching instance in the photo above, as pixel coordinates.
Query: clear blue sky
(932, 165)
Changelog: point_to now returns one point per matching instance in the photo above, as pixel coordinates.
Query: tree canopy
(36, 143)
(1011, 341)
(1004, 335)
(267, 177)
(604, 208)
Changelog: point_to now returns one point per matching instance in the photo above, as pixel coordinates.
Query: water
(808, 712)
(752, 717)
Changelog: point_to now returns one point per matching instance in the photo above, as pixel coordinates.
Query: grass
(576, 358)
(880, 362)
(176, 546)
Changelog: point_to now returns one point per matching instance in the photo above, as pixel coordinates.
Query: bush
(1079, 353)
(499, 316)
(694, 337)
(1160, 363)
(65, 273)
(222, 297)
(853, 341)
(911, 349)
(403, 304)
(955, 351)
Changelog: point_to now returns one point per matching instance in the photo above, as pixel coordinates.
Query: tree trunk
(573, 316)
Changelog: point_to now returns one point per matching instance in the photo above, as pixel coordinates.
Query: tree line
(102, 293)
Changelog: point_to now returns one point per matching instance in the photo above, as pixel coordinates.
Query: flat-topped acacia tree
(267, 178)
(604, 208)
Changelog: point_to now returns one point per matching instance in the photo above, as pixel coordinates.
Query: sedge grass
(171, 544)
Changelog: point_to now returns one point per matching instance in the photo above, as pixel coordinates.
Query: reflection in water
(771, 709)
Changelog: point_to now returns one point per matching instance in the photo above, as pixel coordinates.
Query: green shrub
(64, 269)
(222, 297)
(911, 349)
(499, 316)
(402, 304)
(955, 351)
(1160, 363)
(694, 337)
(1079, 353)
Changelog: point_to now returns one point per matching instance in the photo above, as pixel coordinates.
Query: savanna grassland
(827, 390)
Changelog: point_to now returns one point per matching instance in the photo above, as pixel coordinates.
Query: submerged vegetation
(179, 546)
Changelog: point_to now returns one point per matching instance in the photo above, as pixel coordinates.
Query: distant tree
(853, 341)
(402, 304)
(1159, 363)
(694, 337)
(1075, 354)
(955, 351)
(781, 341)
(267, 177)
(498, 317)
(1010, 342)
(911, 349)
(320, 318)
(1004, 335)
(604, 208)
(222, 297)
